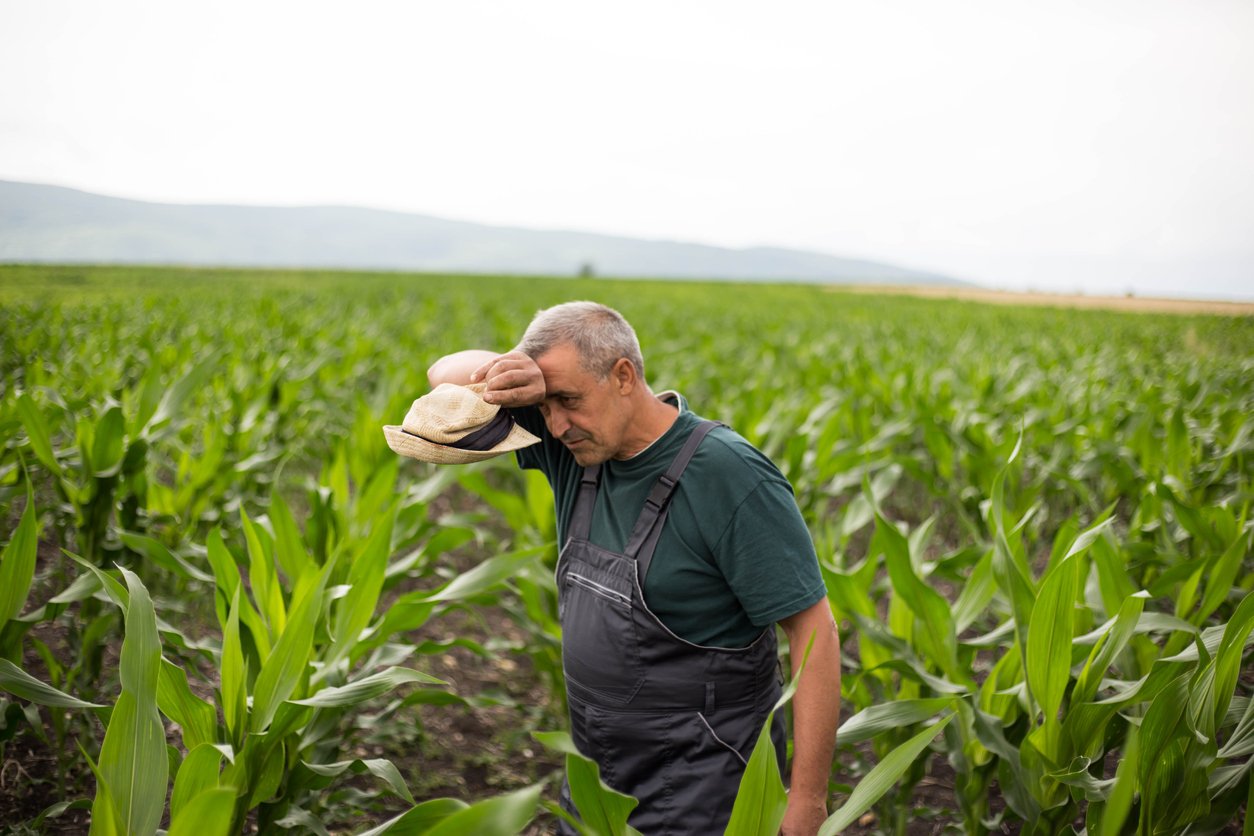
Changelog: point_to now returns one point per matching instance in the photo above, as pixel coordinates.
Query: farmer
(681, 548)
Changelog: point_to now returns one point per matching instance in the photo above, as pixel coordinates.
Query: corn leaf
(1110, 645)
(420, 819)
(109, 445)
(37, 432)
(990, 732)
(197, 718)
(1160, 763)
(177, 395)
(21, 684)
(886, 716)
(1228, 657)
(289, 549)
(367, 688)
(603, 810)
(1050, 637)
(207, 814)
(1247, 829)
(105, 819)
(761, 799)
(511, 506)
(197, 773)
(486, 576)
(17, 562)
(266, 589)
(265, 781)
(1051, 631)
(225, 572)
(1048, 651)
(936, 636)
(881, 779)
(156, 552)
(297, 818)
(976, 593)
(1221, 575)
(1241, 740)
(133, 757)
(281, 672)
(111, 585)
(1009, 569)
(505, 815)
(227, 577)
(1119, 801)
(381, 768)
(234, 675)
(82, 588)
(365, 578)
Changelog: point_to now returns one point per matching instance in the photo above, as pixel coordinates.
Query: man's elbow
(456, 367)
(435, 373)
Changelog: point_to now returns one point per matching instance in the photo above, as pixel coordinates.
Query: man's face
(583, 412)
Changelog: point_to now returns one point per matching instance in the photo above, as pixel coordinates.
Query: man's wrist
(805, 795)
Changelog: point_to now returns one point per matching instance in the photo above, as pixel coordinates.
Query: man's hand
(804, 816)
(513, 379)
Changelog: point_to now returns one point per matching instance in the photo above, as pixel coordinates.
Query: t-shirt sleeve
(767, 556)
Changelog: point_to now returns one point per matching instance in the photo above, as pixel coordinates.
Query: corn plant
(291, 665)
(1033, 525)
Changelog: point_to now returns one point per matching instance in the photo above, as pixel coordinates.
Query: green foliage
(603, 811)
(881, 778)
(1032, 523)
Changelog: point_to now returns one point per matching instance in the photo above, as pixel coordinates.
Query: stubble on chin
(586, 459)
(586, 455)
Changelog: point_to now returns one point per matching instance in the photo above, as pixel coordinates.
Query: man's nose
(558, 425)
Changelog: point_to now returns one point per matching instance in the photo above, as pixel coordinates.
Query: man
(681, 547)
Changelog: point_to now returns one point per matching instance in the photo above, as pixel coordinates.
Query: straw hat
(454, 425)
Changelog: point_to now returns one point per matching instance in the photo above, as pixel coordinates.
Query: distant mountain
(40, 223)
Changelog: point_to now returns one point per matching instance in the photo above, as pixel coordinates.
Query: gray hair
(600, 335)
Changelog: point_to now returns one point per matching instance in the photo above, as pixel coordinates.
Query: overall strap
(648, 526)
(581, 517)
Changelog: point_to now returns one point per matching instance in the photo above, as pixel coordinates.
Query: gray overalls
(668, 721)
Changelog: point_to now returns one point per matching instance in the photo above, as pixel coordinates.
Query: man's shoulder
(726, 454)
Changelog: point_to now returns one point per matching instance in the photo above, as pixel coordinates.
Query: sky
(1099, 146)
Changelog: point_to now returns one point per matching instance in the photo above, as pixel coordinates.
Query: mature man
(682, 547)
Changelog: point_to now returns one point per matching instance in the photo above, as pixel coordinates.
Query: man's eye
(570, 403)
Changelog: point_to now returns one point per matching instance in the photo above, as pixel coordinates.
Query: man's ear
(624, 376)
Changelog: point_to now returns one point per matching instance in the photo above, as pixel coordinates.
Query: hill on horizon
(42, 223)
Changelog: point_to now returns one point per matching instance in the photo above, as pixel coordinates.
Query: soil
(468, 753)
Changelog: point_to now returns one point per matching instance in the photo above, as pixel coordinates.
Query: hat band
(482, 439)
(489, 435)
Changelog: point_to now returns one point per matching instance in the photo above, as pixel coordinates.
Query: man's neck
(656, 417)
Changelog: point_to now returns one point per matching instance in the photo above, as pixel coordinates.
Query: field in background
(1033, 523)
(1129, 303)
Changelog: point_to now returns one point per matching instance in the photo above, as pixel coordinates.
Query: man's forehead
(561, 362)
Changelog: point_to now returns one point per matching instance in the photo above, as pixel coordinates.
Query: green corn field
(227, 607)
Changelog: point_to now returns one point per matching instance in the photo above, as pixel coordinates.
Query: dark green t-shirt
(734, 556)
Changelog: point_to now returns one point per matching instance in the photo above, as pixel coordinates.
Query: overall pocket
(600, 650)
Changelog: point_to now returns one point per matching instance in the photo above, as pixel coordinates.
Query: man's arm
(816, 714)
(513, 379)
(458, 367)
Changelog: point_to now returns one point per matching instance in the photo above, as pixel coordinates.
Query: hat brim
(406, 444)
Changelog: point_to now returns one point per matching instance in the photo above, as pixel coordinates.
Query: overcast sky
(1099, 145)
